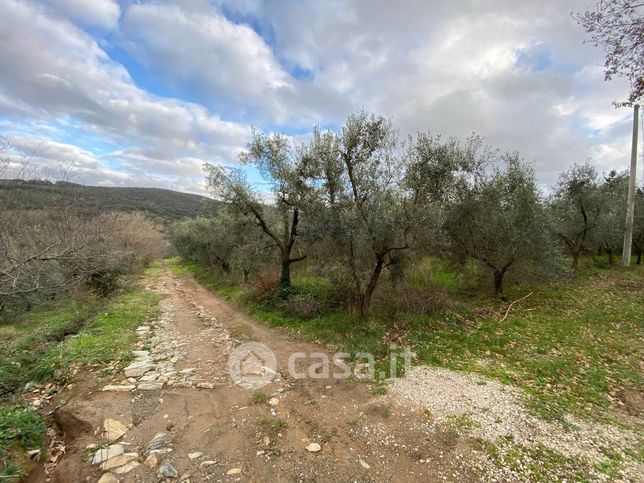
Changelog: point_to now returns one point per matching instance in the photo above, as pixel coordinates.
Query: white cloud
(516, 72)
(56, 71)
(103, 14)
(205, 48)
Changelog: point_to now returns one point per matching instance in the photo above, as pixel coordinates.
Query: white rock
(207, 463)
(195, 455)
(126, 468)
(364, 464)
(152, 461)
(313, 448)
(273, 401)
(150, 386)
(205, 385)
(119, 387)
(234, 471)
(138, 368)
(119, 460)
(34, 454)
(105, 454)
(108, 478)
(113, 429)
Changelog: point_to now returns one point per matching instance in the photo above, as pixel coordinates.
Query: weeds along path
(174, 413)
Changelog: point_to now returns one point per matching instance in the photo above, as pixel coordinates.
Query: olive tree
(206, 240)
(575, 207)
(638, 226)
(280, 166)
(498, 219)
(609, 233)
(359, 178)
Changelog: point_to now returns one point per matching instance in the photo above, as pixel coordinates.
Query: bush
(266, 285)
(44, 254)
(136, 233)
(301, 305)
(408, 298)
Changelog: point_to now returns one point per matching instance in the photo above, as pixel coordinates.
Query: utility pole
(630, 204)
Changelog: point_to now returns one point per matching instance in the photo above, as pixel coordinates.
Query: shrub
(405, 297)
(46, 253)
(266, 284)
(301, 305)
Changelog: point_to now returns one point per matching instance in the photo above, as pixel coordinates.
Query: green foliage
(21, 429)
(499, 220)
(259, 397)
(272, 426)
(40, 345)
(22, 426)
(574, 208)
(281, 166)
(609, 234)
(158, 203)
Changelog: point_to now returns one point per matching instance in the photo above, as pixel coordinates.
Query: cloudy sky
(139, 93)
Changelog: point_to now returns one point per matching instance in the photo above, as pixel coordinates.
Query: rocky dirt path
(174, 414)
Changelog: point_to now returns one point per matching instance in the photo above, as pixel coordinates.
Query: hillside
(161, 203)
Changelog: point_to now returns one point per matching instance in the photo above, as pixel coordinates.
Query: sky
(142, 93)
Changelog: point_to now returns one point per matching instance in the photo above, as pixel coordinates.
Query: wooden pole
(630, 203)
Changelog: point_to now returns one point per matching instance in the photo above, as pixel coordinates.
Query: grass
(569, 345)
(44, 344)
(259, 397)
(21, 429)
(272, 426)
(538, 464)
(41, 345)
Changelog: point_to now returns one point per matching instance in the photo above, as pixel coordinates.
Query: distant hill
(159, 203)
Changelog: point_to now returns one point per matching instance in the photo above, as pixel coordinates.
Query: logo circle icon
(252, 365)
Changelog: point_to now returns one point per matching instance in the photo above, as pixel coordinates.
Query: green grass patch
(272, 426)
(259, 397)
(568, 345)
(26, 338)
(538, 463)
(108, 337)
(41, 344)
(21, 429)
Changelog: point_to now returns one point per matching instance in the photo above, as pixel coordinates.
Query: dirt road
(180, 406)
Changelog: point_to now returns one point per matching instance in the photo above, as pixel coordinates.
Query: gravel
(498, 411)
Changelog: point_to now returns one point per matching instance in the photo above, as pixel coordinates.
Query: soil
(362, 437)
